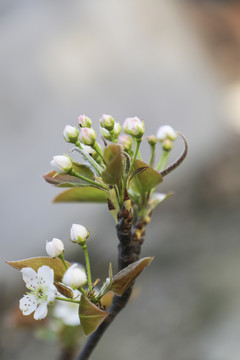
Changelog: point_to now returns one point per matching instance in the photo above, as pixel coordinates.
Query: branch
(129, 249)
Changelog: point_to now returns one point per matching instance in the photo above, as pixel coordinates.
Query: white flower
(42, 291)
(166, 132)
(134, 126)
(67, 311)
(74, 276)
(61, 164)
(84, 121)
(88, 136)
(78, 233)
(55, 247)
(70, 134)
(107, 122)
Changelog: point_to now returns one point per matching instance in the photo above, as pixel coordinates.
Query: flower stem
(68, 300)
(152, 155)
(63, 260)
(84, 247)
(163, 161)
(94, 164)
(138, 142)
(74, 173)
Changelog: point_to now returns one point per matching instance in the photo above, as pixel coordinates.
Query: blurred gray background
(150, 59)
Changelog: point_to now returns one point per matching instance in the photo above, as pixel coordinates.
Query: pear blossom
(84, 121)
(75, 276)
(105, 134)
(78, 233)
(55, 247)
(166, 132)
(67, 311)
(107, 122)
(117, 129)
(167, 145)
(70, 134)
(152, 140)
(61, 164)
(42, 291)
(88, 136)
(134, 126)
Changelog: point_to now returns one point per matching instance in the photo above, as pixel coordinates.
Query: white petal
(28, 304)
(51, 292)
(30, 277)
(41, 311)
(46, 275)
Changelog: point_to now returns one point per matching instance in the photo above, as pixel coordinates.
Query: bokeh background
(167, 62)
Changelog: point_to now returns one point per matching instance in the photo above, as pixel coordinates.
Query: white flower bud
(125, 141)
(84, 121)
(107, 122)
(61, 164)
(54, 248)
(70, 134)
(117, 129)
(105, 134)
(78, 233)
(134, 126)
(152, 140)
(75, 276)
(167, 145)
(165, 132)
(88, 136)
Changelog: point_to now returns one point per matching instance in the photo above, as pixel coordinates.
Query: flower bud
(54, 248)
(167, 145)
(78, 233)
(134, 126)
(106, 134)
(117, 129)
(125, 141)
(107, 122)
(152, 140)
(70, 134)
(88, 136)
(74, 276)
(165, 132)
(84, 121)
(61, 164)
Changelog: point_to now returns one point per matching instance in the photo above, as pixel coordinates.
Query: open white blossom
(42, 291)
(67, 311)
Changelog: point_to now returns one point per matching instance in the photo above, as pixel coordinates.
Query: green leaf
(112, 157)
(144, 178)
(82, 194)
(36, 262)
(65, 180)
(64, 290)
(126, 277)
(90, 315)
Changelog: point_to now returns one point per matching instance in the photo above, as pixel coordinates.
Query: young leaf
(126, 277)
(144, 178)
(90, 315)
(64, 290)
(36, 262)
(112, 157)
(82, 194)
(65, 180)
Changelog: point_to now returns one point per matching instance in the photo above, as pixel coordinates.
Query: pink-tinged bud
(134, 126)
(88, 136)
(84, 121)
(107, 122)
(61, 164)
(126, 142)
(166, 132)
(78, 233)
(75, 276)
(70, 134)
(106, 134)
(54, 248)
(152, 140)
(167, 145)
